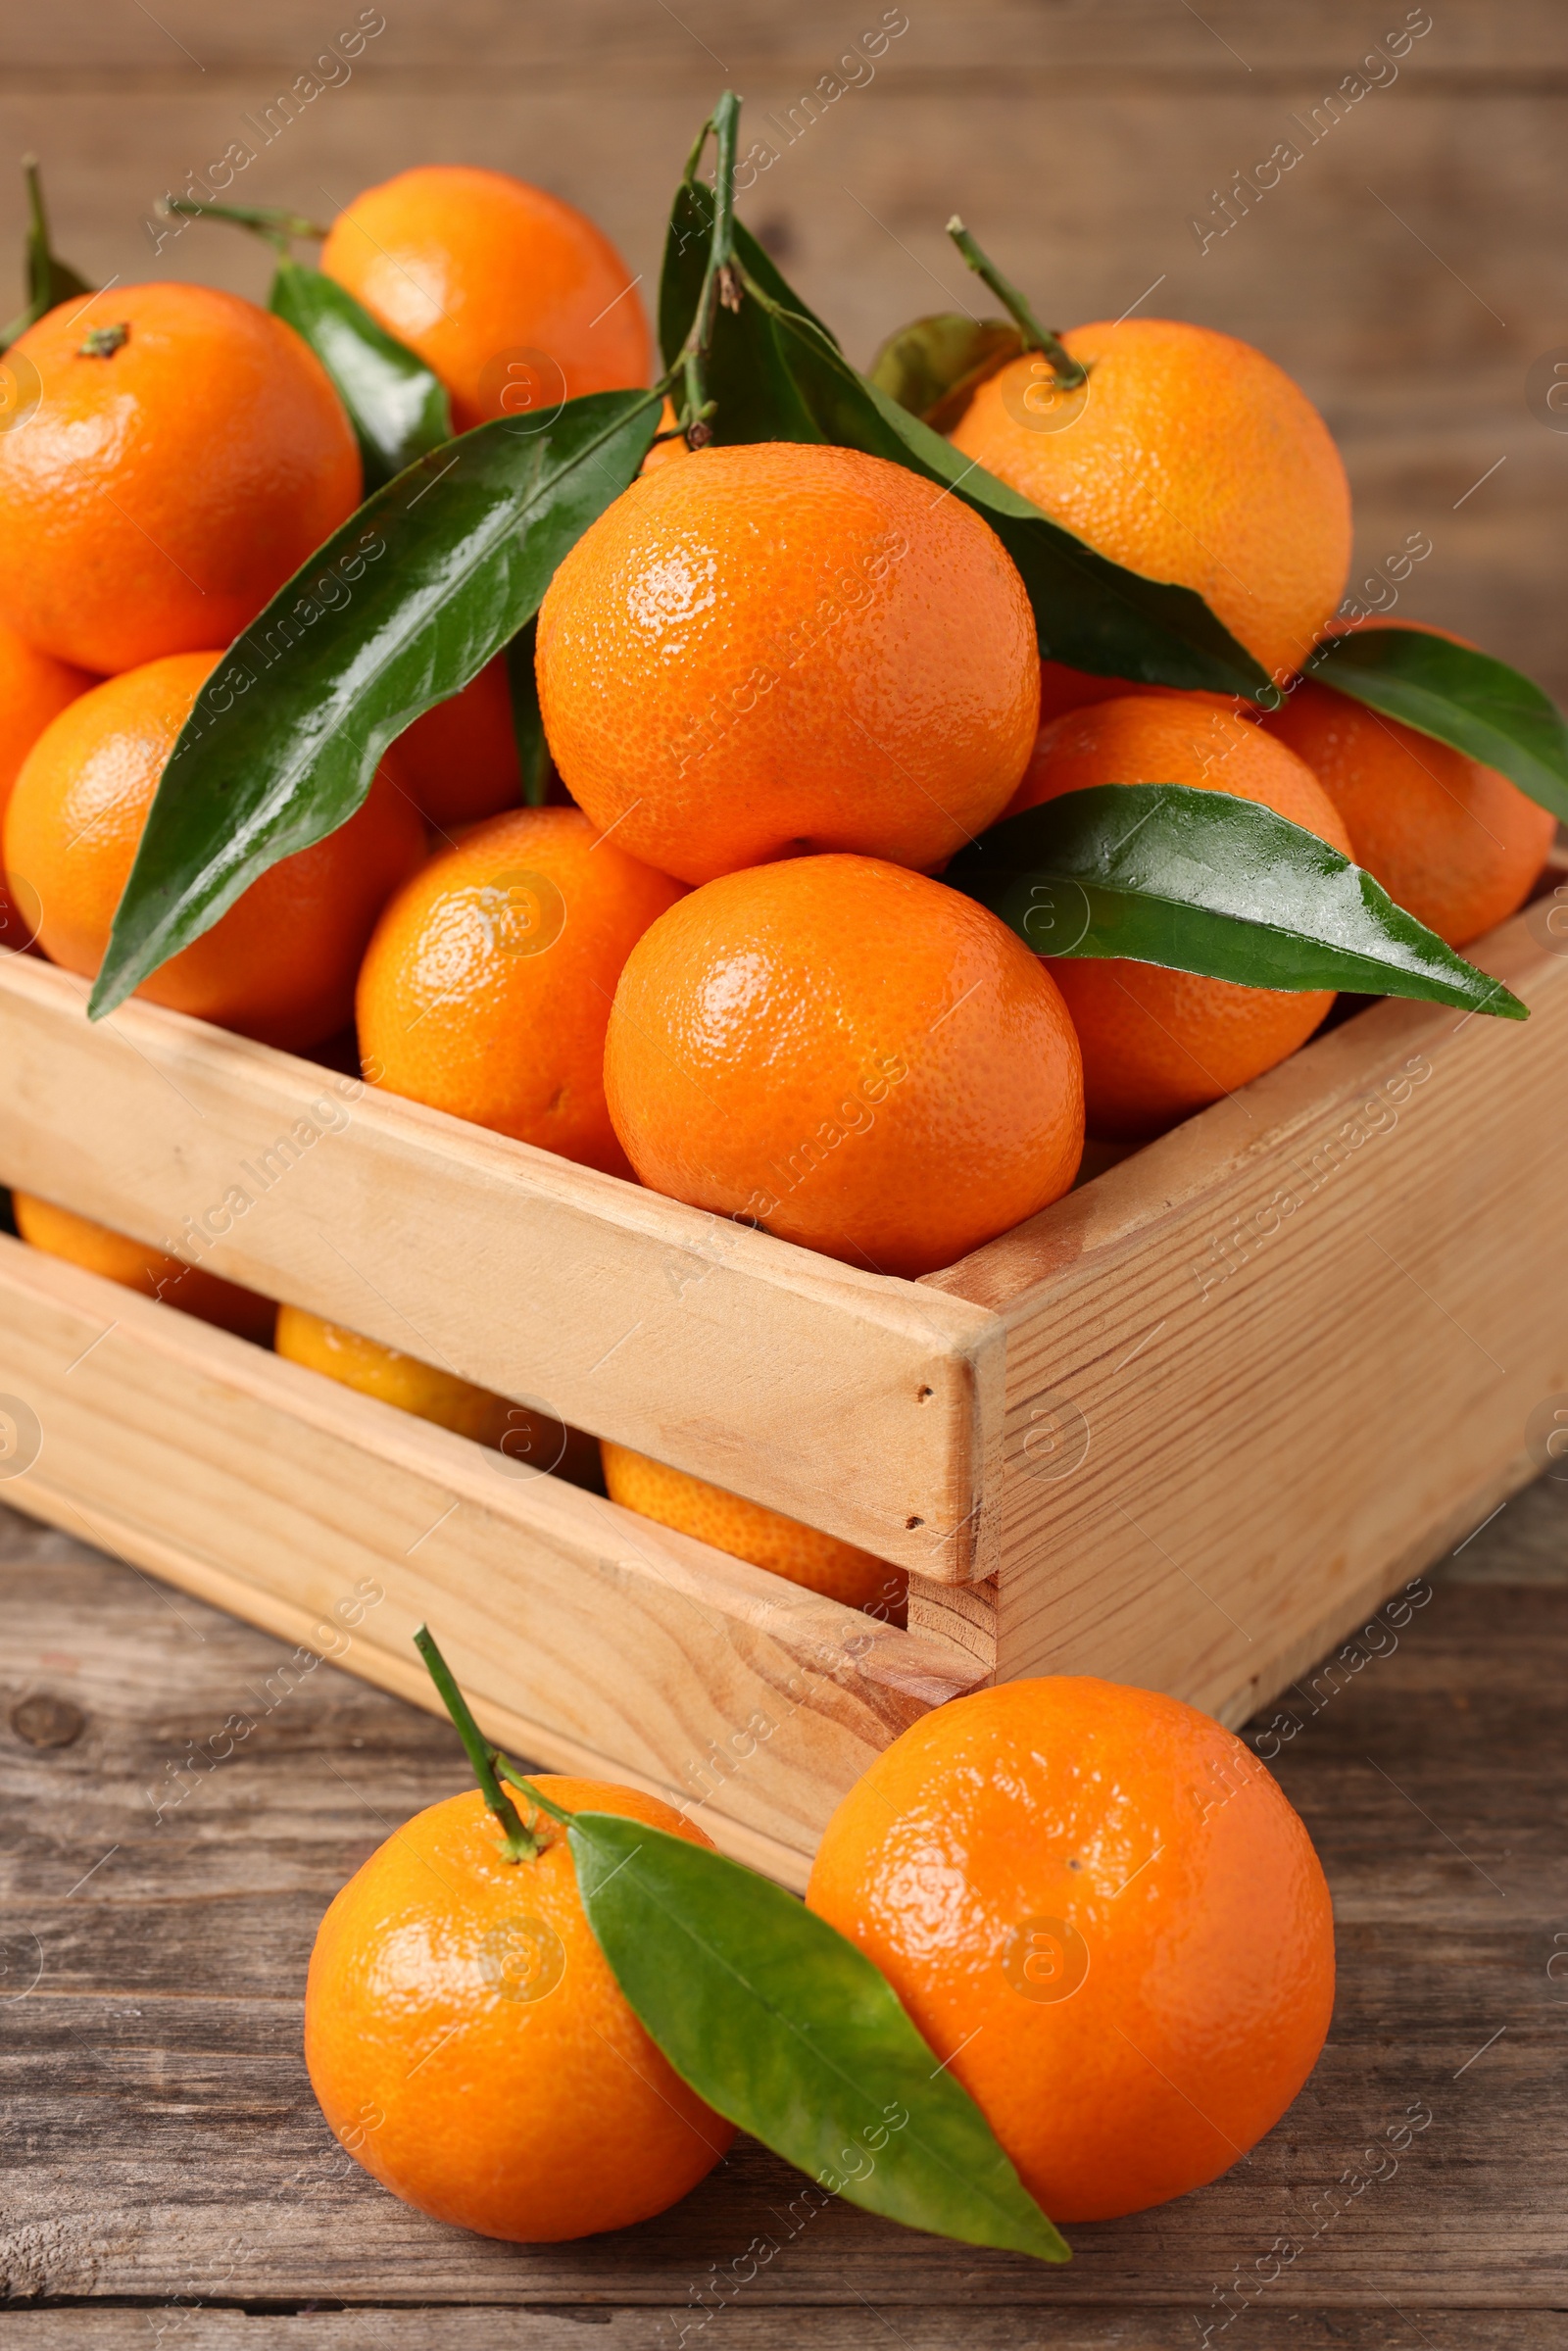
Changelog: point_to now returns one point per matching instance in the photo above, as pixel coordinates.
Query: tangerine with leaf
(188, 453)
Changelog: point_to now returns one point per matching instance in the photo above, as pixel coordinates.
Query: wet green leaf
(1199, 881)
(1457, 696)
(399, 610)
(397, 407)
(48, 280)
(781, 2025)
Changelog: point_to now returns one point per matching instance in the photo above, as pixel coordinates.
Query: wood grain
(583, 1633)
(1271, 1365)
(163, 2033)
(1407, 271)
(865, 1404)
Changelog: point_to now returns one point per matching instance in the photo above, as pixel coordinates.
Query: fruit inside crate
(816, 796)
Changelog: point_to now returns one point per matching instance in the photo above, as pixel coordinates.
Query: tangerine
(1103, 1915)
(1158, 1043)
(459, 761)
(1455, 842)
(1189, 457)
(839, 1570)
(850, 1055)
(788, 648)
(513, 298)
(59, 1233)
(187, 454)
(280, 964)
(471, 2048)
(33, 689)
(533, 1439)
(486, 989)
(1064, 688)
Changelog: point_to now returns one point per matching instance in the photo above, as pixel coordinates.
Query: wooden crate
(1182, 1429)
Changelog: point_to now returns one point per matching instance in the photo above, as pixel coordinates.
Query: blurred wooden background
(1411, 269)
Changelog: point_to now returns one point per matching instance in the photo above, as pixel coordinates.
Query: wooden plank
(939, 2327)
(1261, 1371)
(583, 1633)
(165, 2026)
(1391, 319)
(866, 1405)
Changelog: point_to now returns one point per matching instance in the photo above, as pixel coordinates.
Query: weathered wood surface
(1407, 269)
(167, 2175)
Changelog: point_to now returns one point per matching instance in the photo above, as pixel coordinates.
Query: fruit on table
(33, 689)
(280, 964)
(459, 761)
(1187, 455)
(187, 454)
(513, 299)
(1451, 841)
(136, 1267)
(535, 1440)
(1156, 1044)
(470, 2046)
(1101, 1910)
(840, 1571)
(850, 1055)
(487, 986)
(783, 649)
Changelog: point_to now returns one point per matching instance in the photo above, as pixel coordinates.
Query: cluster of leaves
(454, 545)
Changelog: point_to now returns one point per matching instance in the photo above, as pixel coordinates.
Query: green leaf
(1199, 881)
(686, 246)
(527, 721)
(48, 280)
(1457, 696)
(778, 375)
(399, 610)
(784, 2027)
(933, 365)
(397, 407)
(746, 372)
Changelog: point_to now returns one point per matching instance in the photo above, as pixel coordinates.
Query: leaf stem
(1069, 373)
(279, 229)
(720, 279)
(37, 219)
(521, 1844)
(509, 1771)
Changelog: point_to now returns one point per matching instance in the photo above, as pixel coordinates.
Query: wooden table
(167, 2177)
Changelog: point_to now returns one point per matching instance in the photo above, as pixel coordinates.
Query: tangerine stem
(279, 229)
(720, 282)
(1068, 371)
(509, 1771)
(521, 1844)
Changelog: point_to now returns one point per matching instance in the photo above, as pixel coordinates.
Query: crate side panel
(750, 1702)
(1237, 1421)
(869, 1408)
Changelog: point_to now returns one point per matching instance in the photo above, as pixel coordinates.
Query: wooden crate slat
(1267, 1368)
(586, 1637)
(868, 1407)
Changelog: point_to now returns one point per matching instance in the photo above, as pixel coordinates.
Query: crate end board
(597, 1640)
(1254, 1370)
(868, 1407)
